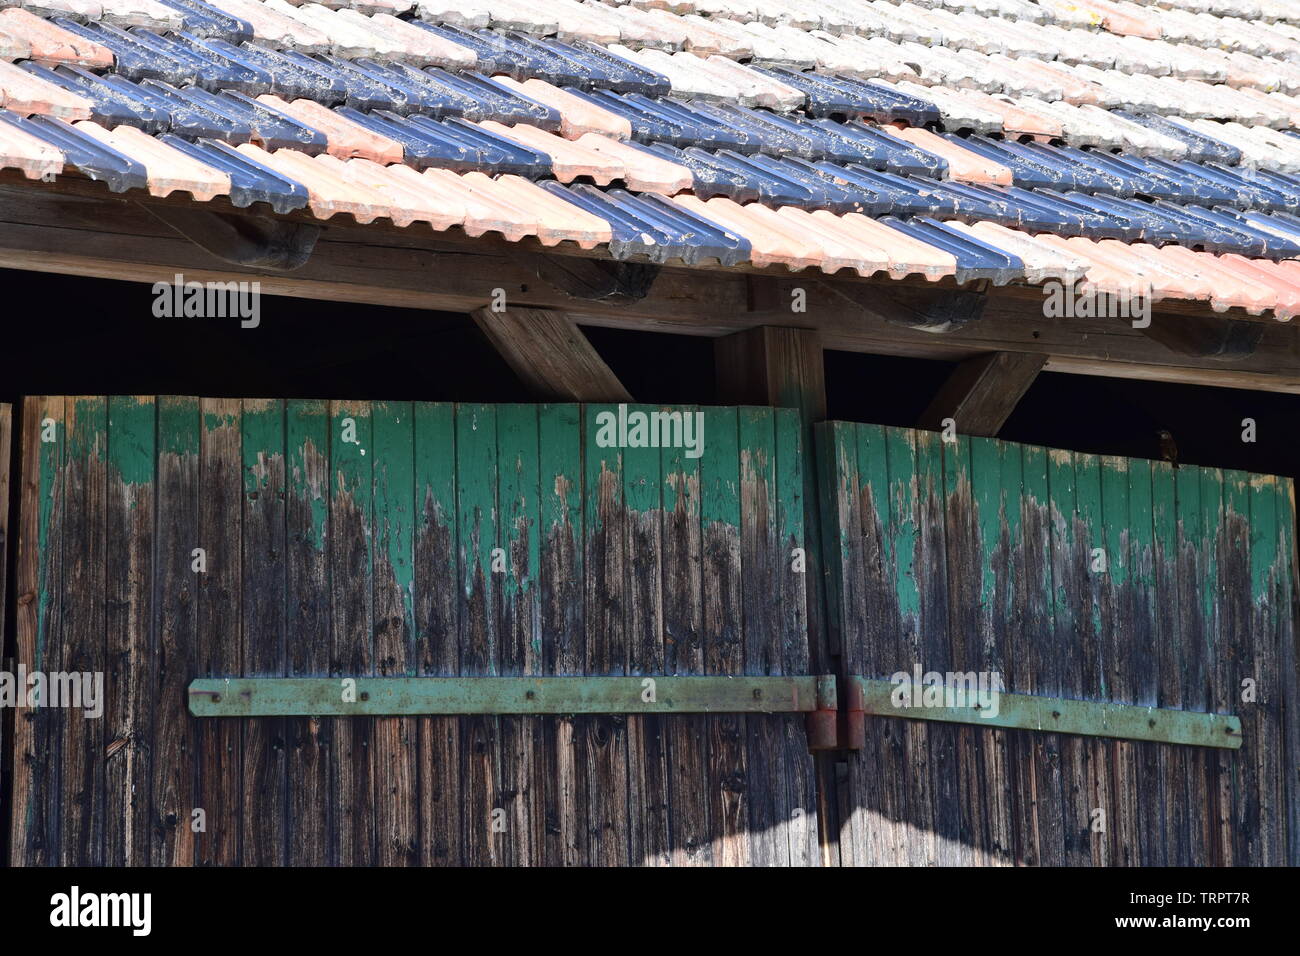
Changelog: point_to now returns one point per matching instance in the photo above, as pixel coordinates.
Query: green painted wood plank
(517, 497)
(307, 479)
(173, 795)
(396, 743)
(81, 648)
(129, 594)
(437, 629)
(352, 622)
(370, 696)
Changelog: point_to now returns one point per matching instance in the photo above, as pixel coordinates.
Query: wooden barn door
(168, 539)
(1074, 577)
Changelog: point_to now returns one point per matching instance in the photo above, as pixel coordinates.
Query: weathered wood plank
(129, 591)
(76, 736)
(994, 481)
(480, 620)
(795, 765)
(1122, 654)
(1288, 676)
(521, 651)
(307, 623)
(1267, 587)
(1089, 608)
(962, 554)
(1190, 569)
(39, 580)
(605, 530)
(690, 825)
(759, 583)
(176, 624)
(351, 620)
(876, 827)
(224, 611)
(396, 738)
(647, 753)
(1172, 760)
(1142, 669)
(563, 639)
(437, 624)
(723, 628)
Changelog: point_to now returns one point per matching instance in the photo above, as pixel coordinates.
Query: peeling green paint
(132, 430)
(307, 466)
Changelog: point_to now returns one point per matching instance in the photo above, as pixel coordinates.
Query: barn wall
(374, 556)
(981, 555)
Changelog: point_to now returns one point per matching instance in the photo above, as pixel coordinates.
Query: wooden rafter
(550, 355)
(982, 392)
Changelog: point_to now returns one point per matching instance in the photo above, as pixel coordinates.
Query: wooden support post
(550, 355)
(773, 366)
(982, 393)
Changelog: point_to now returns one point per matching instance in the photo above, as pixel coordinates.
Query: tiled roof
(1008, 140)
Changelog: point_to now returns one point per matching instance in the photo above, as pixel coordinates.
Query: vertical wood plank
(1233, 662)
(176, 626)
(647, 754)
(563, 650)
(521, 650)
(1089, 607)
(1190, 569)
(1171, 760)
(690, 824)
(870, 642)
(82, 646)
(914, 582)
(437, 623)
(223, 636)
(1267, 532)
(307, 626)
(605, 522)
(800, 810)
(936, 645)
(395, 738)
(1141, 659)
(995, 491)
(723, 628)
(1119, 655)
(1043, 652)
(480, 618)
(39, 580)
(132, 464)
(351, 617)
(768, 841)
(1288, 852)
(963, 554)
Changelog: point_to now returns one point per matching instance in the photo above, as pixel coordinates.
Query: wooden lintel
(596, 280)
(257, 241)
(982, 392)
(1208, 337)
(550, 355)
(48, 231)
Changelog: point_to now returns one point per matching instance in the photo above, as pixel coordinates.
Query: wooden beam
(982, 392)
(769, 365)
(550, 355)
(46, 231)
